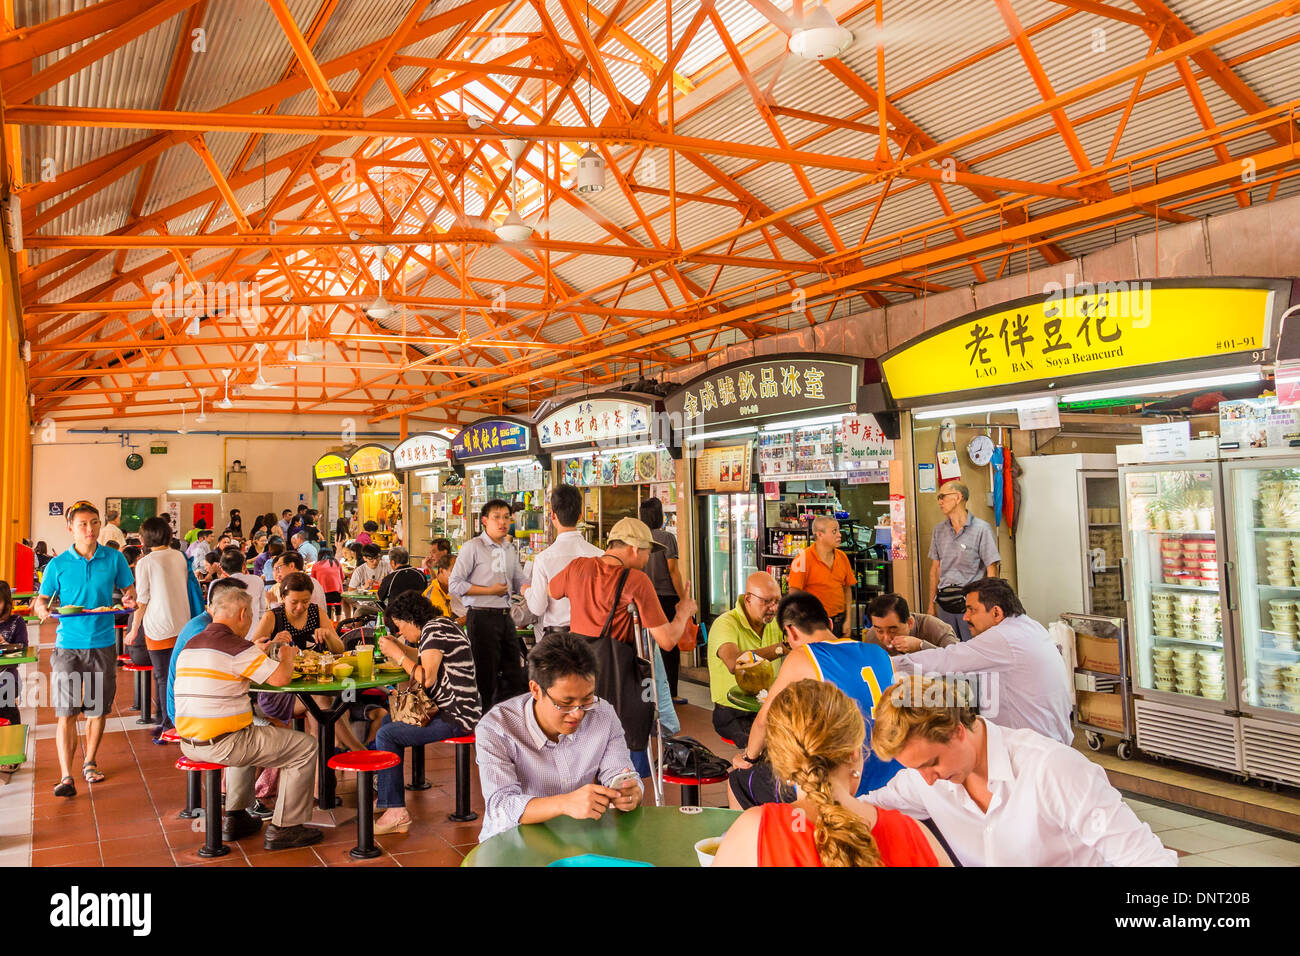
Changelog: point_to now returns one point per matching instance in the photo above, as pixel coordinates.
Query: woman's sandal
(66, 788)
(91, 773)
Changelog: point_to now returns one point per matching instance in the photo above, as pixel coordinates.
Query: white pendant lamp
(591, 172)
(820, 37)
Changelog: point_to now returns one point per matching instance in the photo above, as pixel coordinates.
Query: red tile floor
(130, 819)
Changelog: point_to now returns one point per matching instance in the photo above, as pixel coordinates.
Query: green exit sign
(158, 449)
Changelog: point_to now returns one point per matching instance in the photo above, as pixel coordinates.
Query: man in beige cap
(614, 581)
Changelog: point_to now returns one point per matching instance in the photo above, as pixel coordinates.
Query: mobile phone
(622, 778)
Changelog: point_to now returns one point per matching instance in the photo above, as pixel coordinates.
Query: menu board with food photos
(724, 469)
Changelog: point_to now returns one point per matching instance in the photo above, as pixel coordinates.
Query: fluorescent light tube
(1172, 385)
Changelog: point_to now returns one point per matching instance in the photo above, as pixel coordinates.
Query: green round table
(28, 658)
(742, 701)
(662, 836)
(325, 719)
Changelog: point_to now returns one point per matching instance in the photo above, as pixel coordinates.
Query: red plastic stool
(691, 787)
(463, 813)
(365, 763)
(143, 690)
(729, 743)
(4, 721)
(193, 783)
(124, 658)
(212, 845)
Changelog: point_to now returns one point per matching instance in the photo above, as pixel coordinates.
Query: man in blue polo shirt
(83, 667)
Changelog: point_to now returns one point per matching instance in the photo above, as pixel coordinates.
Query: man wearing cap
(590, 584)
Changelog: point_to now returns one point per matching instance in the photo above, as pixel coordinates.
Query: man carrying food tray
(83, 666)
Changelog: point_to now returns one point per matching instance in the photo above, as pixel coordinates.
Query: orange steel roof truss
(391, 172)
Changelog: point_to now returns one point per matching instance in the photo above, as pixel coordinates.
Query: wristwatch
(782, 649)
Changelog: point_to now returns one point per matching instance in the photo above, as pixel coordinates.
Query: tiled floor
(130, 819)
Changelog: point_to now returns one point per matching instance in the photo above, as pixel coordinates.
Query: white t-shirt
(554, 612)
(162, 583)
(1051, 806)
(111, 532)
(256, 593)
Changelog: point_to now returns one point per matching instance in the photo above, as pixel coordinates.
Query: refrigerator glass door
(1172, 538)
(718, 541)
(1105, 544)
(1265, 590)
(745, 521)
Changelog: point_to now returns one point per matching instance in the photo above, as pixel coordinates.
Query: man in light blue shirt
(556, 750)
(83, 666)
(305, 547)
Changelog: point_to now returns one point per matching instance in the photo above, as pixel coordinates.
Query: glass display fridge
(1183, 651)
(1264, 598)
(729, 532)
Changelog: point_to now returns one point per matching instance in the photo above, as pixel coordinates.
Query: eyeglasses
(766, 602)
(574, 708)
(949, 494)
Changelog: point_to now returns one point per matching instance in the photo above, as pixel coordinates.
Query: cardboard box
(1101, 710)
(1095, 654)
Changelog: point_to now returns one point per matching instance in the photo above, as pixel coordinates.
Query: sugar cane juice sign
(491, 437)
(765, 389)
(1086, 331)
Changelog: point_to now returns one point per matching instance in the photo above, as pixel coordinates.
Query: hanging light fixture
(225, 398)
(821, 37)
(591, 172)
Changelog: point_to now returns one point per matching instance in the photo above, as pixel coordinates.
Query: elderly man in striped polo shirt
(215, 722)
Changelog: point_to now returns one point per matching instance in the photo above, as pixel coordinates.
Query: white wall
(93, 466)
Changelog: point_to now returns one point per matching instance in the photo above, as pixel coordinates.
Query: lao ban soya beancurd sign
(1086, 333)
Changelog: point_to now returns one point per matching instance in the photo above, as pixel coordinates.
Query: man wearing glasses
(963, 548)
(824, 571)
(750, 629)
(554, 751)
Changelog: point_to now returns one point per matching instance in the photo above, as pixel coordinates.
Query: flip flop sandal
(66, 788)
(91, 773)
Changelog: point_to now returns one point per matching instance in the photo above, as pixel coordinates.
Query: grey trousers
(957, 621)
(242, 752)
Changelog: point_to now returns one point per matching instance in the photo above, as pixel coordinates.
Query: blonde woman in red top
(815, 734)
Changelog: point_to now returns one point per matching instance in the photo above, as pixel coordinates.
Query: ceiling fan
(260, 384)
(182, 430)
(225, 402)
(307, 353)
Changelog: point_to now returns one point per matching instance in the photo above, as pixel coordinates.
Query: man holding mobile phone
(558, 750)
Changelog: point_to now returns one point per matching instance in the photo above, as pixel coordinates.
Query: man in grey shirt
(487, 572)
(899, 631)
(963, 548)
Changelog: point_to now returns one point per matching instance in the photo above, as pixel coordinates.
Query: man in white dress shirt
(1001, 797)
(566, 512)
(1023, 680)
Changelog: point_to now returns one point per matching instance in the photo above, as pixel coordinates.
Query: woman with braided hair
(815, 735)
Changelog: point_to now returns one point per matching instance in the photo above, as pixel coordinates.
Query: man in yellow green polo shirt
(749, 626)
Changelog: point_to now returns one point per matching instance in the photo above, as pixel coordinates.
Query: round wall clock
(134, 462)
(980, 450)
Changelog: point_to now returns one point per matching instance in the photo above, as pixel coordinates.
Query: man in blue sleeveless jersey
(862, 671)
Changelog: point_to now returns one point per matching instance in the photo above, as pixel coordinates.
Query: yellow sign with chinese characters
(1113, 327)
(330, 466)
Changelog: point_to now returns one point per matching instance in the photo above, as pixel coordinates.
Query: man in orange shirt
(823, 570)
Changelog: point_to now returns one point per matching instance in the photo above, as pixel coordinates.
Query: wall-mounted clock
(134, 462)
(980, 450)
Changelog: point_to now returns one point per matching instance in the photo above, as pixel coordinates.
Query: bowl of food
(70, 609)
(341, 671)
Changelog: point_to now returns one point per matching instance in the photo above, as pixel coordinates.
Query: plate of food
(626, 470)
(390, 668)
(647, 466)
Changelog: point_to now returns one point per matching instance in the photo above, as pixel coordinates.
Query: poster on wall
(1167, 441)
(949, 465)
(174, 515)
(1257, 423)
(897, 528)
(724, 469)
(925, 482)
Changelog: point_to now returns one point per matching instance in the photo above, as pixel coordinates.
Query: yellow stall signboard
(369, 459)
(330, 466)
(1116, 327)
